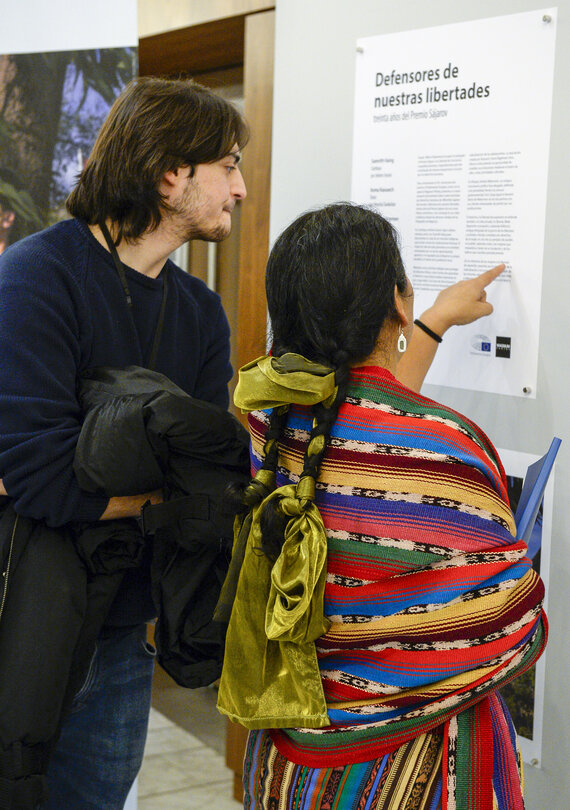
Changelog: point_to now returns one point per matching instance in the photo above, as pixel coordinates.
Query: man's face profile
(203, 203)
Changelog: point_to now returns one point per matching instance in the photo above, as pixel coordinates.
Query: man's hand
(129, 505)
(121, 507)
(461, 303)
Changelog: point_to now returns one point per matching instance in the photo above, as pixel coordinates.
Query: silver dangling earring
(402, 342)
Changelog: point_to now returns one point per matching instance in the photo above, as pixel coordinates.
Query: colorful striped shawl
(433, 603)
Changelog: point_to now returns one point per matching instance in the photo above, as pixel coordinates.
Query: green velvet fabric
(269, 382)
(271, 677)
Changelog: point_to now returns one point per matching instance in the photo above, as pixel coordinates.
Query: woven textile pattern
(407, 779)
(433, 603)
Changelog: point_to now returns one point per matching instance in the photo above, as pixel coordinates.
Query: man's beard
(184, 219)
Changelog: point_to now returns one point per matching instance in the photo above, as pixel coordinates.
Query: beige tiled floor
(179, 772)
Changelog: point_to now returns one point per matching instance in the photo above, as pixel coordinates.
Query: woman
(383, 599)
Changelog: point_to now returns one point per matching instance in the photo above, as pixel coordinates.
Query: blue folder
(531, 497)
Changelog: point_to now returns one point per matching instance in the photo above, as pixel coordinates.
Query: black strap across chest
(123, 278)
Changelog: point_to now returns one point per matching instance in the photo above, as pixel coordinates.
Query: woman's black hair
(330, 283)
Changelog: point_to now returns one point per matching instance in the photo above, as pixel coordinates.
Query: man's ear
(170, 181)
(400, 307)
(173, 180)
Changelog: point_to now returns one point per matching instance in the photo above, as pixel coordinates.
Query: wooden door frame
(254, 235)
(248, 40)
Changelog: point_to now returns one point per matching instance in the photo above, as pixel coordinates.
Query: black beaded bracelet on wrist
(428, 331)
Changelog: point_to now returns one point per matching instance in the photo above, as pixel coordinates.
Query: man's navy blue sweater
(62, 311)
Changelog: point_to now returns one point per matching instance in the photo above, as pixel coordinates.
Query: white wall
(312, 152)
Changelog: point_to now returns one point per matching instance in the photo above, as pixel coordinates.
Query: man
(164, 169)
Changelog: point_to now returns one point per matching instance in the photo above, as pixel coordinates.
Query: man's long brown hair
(155, 126)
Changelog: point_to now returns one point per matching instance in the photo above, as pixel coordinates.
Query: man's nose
(238, 188)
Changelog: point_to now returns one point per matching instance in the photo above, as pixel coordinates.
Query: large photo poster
(451, 142)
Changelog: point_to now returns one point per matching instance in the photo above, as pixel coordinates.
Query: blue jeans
(101, 747)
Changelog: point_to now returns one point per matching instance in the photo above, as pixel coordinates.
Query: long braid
(325, 417)
(242, 501)
(272, 520)
(243, 498)
(277, 422)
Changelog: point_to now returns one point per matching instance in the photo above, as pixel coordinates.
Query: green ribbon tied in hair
(294, 608)
(271, 677)
(269, 382)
